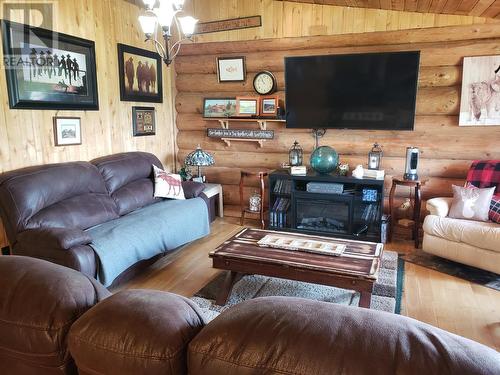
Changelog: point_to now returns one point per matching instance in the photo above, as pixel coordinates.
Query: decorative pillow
(167, 185)
(495, 209)
(192, 189)
(471, 203)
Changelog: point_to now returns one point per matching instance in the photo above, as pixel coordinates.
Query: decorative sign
(143, 120)
(230, 24)
(240, 133)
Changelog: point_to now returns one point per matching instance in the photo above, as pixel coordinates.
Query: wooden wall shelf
(262, 122)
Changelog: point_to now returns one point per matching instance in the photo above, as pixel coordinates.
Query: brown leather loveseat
(46, 309)
(47, 209)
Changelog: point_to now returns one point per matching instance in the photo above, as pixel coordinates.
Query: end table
(417, 202)
(215, 190)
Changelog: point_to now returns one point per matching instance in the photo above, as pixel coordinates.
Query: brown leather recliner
(151, 332)
(46, 209)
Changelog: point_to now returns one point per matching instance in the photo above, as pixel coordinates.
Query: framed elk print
(480, 101)
(143, 119)
(67, 131)
(140, 75)
(48, 70)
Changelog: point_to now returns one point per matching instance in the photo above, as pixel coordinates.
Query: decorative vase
(254, 202)
(324, 159)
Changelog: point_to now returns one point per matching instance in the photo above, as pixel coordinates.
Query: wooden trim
(427, 35)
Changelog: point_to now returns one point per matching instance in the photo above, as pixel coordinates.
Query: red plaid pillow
(495, 209)
(485, 174)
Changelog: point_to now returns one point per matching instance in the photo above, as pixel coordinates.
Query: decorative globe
(324, 159)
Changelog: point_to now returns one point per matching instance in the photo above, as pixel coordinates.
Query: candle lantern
(375, 157)
(255, 202)
(295, 155)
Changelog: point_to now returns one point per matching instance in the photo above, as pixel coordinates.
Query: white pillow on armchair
(167, 185)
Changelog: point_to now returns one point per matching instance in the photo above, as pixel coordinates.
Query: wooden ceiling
(479, 8)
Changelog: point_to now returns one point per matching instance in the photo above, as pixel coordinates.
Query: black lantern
(295, 155)
(375, 157)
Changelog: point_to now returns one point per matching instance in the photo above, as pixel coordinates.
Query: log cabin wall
(26, 136)
(446, 149)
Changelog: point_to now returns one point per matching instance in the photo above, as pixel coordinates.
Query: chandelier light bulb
(165, 14)
(178, 4)
(148, 25)
(188, 25)
(149, 4)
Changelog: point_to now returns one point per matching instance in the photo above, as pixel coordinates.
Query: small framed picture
(231, 69)
(269, 106)
(219, 107)
(247, 106)
(143, 119)
(67, 131)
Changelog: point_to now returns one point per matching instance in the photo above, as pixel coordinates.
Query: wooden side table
(215, 190)
(261, 175)
(417, 201)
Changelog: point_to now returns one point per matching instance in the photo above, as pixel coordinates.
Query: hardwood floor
(467, 309)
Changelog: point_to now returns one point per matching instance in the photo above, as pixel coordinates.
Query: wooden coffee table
(356, 269)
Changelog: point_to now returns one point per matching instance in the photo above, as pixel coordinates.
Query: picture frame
(48, 70)
(269, 106)
(219, 107)
(480, 88)
(231, 69)
(67, 131)
(247, 106)
(140, 75)
(143, 121)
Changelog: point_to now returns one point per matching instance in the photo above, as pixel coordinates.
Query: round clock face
(264, 83)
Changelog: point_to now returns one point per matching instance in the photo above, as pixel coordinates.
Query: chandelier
(163, 14)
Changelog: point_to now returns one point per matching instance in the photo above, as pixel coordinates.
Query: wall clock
(264, 83)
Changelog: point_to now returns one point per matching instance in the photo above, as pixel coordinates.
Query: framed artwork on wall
(219, 107)
(269, 106)
(144, 121)
(231, 69)
(140, 75)
(67, 131)
(48, 70)
(480, 100)
(247, 106)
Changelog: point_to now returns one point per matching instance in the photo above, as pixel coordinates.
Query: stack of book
(279, 214)
(283, 187)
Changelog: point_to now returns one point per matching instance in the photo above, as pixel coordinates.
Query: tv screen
(358, 91)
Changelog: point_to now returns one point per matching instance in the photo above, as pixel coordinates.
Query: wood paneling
(446, 149)
(26, 136)
(281, 19)
(485, 8)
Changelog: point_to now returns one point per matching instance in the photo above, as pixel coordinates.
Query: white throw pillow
(471, 203)
(167, 185)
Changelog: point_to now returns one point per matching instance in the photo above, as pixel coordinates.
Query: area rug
(462, 271)
(386, 294)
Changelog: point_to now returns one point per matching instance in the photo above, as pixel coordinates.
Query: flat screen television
(357, 91)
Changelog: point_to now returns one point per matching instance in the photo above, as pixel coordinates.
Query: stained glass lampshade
(199, 158)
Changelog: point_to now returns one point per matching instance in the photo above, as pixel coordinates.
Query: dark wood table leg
(224, 293)
(365, 299)
(416, 216)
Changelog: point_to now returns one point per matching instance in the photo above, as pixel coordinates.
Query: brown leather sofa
(46, 309)
(46, 209)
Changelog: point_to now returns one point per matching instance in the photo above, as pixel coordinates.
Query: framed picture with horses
(48, 70)
(140, 75)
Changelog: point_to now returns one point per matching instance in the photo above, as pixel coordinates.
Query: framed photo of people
(140, 75)
(143, 119)
(48, 70)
